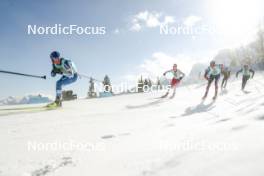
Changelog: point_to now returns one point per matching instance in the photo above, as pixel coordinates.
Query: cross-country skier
(177, 77)
(246, 70)
(226, 72)
(67, 69)
(212, 73)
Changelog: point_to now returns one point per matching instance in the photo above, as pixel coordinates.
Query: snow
(138, 134)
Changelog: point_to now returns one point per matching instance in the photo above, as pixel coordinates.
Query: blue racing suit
(69, 74)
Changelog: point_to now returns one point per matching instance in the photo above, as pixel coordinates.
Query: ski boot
(56, 103)
(205, 96)
(215, 97)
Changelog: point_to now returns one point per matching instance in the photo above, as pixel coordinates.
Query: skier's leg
(166, 94)
(59, 84)
(243, 82)
(225, 82)
(208, 87)
(174, 91)
(245, 79)
(62, 82)
(172, 85)
(222, 84)
(216, 85)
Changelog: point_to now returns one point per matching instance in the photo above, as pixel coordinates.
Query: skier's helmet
(54, 54)
(212, 63)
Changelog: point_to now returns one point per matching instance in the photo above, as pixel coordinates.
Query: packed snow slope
(139, 135)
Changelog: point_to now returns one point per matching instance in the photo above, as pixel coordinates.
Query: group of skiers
(214, 71)
(68, 70)
(212, 74)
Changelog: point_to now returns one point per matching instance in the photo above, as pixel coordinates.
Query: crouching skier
(212, 73)
(177, 77)
(246, 70)
(67, 69)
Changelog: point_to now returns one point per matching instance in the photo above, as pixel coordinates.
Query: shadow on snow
(200, 108)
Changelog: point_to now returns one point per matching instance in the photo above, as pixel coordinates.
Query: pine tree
(91, 92)
(146, 84)
(107, 84)
(149, 83)
(140, 85)
(159, 86)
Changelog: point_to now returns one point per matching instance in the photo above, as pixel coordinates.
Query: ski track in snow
(47, 169)
(139, 135)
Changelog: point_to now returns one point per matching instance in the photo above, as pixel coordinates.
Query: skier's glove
(53, 74)
(180, 78)
(164, 74)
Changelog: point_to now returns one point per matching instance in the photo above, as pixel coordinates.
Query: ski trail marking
(108, 136)
(223, 120)
(239, 127)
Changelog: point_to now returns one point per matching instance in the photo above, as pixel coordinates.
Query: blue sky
(124, 52)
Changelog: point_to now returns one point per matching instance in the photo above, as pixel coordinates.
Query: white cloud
(191, 20)
(168, 19)
(116, 31)
(158, 63)
(136, 27)
(148, 19)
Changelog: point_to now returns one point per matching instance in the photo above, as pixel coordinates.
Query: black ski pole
(22, 74)
(88, 77)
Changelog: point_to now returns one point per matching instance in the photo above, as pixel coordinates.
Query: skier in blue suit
(67, 69)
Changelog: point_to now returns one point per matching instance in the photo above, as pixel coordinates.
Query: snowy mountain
(196, 73)
(139, 135)
(29, 99)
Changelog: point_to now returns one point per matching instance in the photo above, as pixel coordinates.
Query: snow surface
(140, 135)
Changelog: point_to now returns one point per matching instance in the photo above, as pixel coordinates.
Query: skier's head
(174, 67)
(246, 66)
(55, 57)
(212, 63)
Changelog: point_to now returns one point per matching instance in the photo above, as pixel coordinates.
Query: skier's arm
(253, 73)
(239, 71)
(182, 75)
(68, 67)
(166, 72)
(206, 74)
(55, 71)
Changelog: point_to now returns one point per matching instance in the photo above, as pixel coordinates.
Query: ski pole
(22, 74)
(88, 77)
